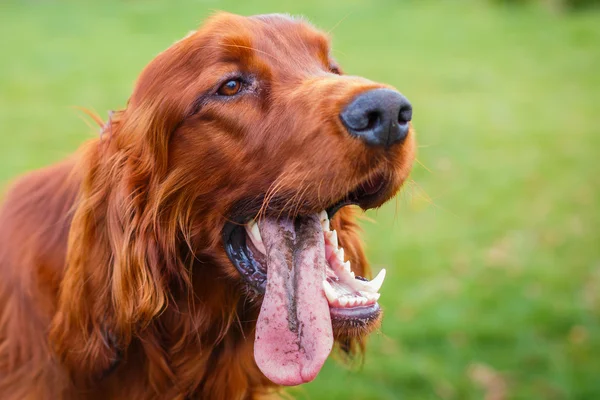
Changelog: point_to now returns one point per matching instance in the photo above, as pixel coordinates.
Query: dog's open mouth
(308, 286)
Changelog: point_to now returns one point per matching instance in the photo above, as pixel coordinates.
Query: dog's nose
(379, 117)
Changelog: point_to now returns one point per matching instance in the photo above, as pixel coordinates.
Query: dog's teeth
(374, 285)
(330, 253)
(323, 216)
(371, 297)
(340, 255)
(352, 302)
(334, 239)
(329, 292)
(254, 233)
(347, 266)
(343, 301)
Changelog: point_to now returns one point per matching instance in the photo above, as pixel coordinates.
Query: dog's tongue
(293, 332)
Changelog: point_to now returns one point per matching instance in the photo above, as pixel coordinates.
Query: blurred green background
(492, 250)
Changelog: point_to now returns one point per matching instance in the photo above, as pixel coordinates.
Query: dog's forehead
(266, 33)
(296, 29)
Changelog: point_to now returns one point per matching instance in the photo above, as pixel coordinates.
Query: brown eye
(230, 88)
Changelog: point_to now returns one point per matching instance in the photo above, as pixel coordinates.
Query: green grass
(493, 255)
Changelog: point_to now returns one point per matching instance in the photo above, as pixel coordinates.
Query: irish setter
(202, 247)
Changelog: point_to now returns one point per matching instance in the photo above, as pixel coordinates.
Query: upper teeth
(323, 217)
(364, 292)
(254, 235)
(342, 268)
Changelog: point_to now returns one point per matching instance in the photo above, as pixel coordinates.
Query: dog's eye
(230, 88)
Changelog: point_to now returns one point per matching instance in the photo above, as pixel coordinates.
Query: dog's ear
(118, 263)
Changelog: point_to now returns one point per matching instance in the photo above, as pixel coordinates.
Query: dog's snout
(379, 117)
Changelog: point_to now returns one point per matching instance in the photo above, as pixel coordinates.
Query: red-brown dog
(202, 247)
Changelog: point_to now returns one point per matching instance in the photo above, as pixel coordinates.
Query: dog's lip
(360, 313)
(366, 195)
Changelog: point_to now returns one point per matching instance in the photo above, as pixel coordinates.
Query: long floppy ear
(118, 262)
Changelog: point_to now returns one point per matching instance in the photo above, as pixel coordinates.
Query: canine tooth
(343, 301)
(374, 285)
(329, 292)
(325, 225)
(254, 233)
(323, 216)
(347, 267)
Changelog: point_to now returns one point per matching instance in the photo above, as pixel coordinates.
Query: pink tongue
(293, 332)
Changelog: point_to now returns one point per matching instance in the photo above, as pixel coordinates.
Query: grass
(493, 252)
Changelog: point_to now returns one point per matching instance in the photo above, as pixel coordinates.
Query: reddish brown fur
(114, 281)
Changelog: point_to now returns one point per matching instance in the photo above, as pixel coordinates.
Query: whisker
(319, 190)
(301, 196)
(396, 201)
(92, 114)
(276, 190)
(293, 198)
(338, 23)
(268, 195)
(423, 165)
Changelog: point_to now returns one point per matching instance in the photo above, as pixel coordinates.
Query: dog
(205, 245)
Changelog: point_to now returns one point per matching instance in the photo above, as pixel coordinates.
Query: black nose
(379, 117)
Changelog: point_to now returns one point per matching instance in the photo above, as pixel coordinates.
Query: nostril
(373, 119)
(405, 114)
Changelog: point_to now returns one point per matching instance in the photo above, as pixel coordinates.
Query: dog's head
(273, 140)
(245, 143)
